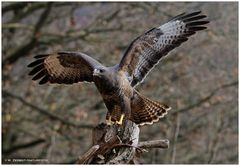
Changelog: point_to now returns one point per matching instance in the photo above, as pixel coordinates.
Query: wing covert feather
(63, 68)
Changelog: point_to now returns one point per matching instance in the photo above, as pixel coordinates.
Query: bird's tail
(146, 111)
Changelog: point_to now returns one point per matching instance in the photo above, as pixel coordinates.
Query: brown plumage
(63, 68)
(117, 84)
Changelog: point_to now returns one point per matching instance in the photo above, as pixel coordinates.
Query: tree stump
(117, 144)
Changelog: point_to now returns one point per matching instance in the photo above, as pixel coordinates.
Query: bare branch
(214, 144)
(25, 49)
(13, 6)
(17, 26)
(163, 144)
(207, 98)
(177, 129)
(23, 146)
(47, 113)
(84, 158)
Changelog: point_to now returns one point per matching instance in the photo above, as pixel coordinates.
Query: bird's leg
(120, 122)
(109, 121)
(125, 110)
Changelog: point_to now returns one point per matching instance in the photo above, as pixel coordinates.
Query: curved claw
(120, 122)
(109, 121)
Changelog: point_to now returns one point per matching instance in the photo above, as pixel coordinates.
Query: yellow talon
(109, 121)
(121, 120)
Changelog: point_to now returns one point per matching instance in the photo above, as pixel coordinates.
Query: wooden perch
(117, 144)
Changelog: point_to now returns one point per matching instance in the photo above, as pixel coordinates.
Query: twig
(207, 98)
(16, 26)
(214, 146)
(47, 113)
(22, 10)
(175, 139)
(74, 35)
(13, 6)
(127, 145)
(84, 158)
(50, 147)
(164, 144)
(25, 49)
(23, 146)
(29, 8)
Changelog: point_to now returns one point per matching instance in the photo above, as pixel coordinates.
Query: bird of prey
(117, 84)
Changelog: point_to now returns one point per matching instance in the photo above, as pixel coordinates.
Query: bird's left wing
(63, 68)
(146, 50)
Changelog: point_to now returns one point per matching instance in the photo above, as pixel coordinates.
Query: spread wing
(147, 50)
(63, 68)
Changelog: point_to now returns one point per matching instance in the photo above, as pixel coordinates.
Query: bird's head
(99, 72)
(107, 75)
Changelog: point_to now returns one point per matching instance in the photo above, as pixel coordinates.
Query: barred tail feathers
(146, 111)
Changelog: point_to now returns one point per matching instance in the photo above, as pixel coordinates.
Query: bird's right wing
(63, 68)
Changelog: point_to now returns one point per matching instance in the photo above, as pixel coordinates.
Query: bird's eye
(101, 70)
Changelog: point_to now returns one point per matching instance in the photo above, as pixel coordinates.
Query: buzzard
(117, 84)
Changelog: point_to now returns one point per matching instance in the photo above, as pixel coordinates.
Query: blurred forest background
(199, 80)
